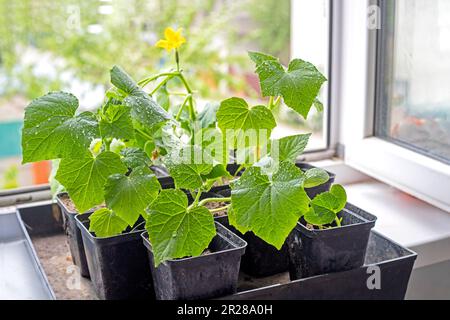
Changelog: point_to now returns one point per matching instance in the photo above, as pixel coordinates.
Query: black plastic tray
(395, 264)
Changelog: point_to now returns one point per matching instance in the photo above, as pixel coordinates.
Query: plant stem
(242, 166)
(146, 81)
(189, 90)
(161, 84)
(177, 117)
(197, 197)
(177, 59)
(338, 221)
(273, 103)
(219, 209)
(205, 201)
(270, 102)
(140, 224)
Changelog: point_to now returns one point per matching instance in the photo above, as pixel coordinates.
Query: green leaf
(187, 165)
(319, 216)
(176, 231)
(116, 123)
(325, 206)
(319, 105)
(85, 178)
(289, 148)
(52, 130)
(105, 223)
(208, 116)
(339, 192)
(315, 177)
(270, 207)
(129, 196)
(134, 157)
(217, 171)
(143, 108)
(121, 80)
(235, 114)
(299, 85)
(232, 221)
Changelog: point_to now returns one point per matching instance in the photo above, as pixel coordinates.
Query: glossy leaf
(116, 123)
(176, 231)
(315, 177)
(289, 148)
(105, 223)
(270, 207)
(299, 84)
(85, 178)
(52, 130)
(129, 196)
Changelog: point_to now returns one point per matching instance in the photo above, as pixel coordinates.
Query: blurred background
(71, 45)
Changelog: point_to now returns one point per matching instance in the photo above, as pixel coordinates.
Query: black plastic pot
(118, 265)
(207, 276)
(73, 236)
(42, 219)
(260, 258)
(314, 252)
(391, 261)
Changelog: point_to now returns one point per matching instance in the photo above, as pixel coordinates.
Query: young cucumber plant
(104, 157)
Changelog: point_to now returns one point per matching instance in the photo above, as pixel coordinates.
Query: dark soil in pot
(210, 275)
(118, 265)
(73, 233)
(313, 252)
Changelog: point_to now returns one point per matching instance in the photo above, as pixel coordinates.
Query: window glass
(414, 92)
(70, 45)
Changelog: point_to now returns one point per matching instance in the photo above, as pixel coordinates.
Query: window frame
(359, 57)
(328, 124)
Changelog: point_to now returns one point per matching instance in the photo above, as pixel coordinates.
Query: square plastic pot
(73, 236)
(118, 265)
(206, 276)
(315, 252)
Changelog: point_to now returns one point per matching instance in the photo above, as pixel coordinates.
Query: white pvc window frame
(354, 69)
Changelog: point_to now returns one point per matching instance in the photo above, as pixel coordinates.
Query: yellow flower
(173, 39)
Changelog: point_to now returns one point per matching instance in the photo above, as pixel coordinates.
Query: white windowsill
(407, 220)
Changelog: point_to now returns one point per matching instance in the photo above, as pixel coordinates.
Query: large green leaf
(129, 196)
(235, 114)
(116, 123)
(134, 157)
(52, 130)
(176, 231)
(144, 109)
(289, 148)
(299, 85)
(105, 223)
(187, 165)
(85, 178)
(270, 207)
